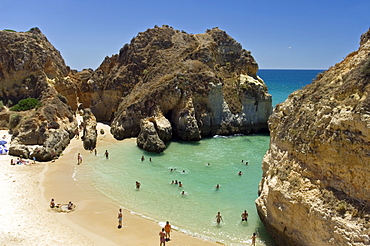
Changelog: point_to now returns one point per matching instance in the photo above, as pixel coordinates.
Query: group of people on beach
(79, 156)
(20, 161)
(164, 234)
(69, 206)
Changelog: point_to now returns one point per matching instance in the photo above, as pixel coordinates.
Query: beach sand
(26, 218)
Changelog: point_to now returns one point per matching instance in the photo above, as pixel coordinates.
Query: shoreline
(28, 220)
(95, 217)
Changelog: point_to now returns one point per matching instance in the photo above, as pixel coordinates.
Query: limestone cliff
(30, 67)
(203, 84)
(315, 189)
(165, 84)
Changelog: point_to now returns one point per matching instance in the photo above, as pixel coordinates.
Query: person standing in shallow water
(244, 216)
(253, 239)
(219, 218)
(106, 154)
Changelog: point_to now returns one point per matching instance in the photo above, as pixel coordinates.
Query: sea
(200, 167)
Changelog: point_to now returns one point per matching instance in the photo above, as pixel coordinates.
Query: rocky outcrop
(148, 138)
(30, 67)
(315, 189)
(191, 85)
(203, 84)
(89, 130)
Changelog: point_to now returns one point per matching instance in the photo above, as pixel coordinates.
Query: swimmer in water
(217, 186)
(218, 218)
(240, 173)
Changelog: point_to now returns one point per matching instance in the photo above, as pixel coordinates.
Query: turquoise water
(195, 211)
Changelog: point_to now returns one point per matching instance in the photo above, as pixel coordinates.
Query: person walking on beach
(106, 154)
(162, 238)
(167, 229)
(79, 159)
(219, 218)
(244, 216)
(119, 218)
(253, 239)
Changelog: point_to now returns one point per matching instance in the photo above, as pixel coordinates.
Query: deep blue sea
(200, 166)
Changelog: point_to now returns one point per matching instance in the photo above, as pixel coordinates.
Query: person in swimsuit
(167, 229)
(79, 159)
(106, 154)
(218, 218)
(52, 203)
(138, 185)
(244, 216)
(119, 218)
(162, 238)
(70, 205)
(253, 239)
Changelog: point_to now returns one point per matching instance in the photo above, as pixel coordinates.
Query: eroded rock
(314, 189)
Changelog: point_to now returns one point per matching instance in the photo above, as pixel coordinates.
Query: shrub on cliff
(26, 104)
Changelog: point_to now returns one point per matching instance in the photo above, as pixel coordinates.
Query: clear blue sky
(308, 34)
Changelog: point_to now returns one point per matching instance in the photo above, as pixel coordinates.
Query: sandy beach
(28, 220)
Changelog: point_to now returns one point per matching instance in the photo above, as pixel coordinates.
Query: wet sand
(28, 220)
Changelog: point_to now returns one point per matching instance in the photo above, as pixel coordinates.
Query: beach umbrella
(3, 150)
(2, 142)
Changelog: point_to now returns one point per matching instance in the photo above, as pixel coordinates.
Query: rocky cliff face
(315, 189)
(203, 84)
(30, 67)
(165, 84)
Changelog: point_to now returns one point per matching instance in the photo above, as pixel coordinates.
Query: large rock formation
(90, 133)
(203, 84)
(30, 67)
(165, 83)
(315, 189)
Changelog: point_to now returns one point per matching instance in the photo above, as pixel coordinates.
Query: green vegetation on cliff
(26, 104)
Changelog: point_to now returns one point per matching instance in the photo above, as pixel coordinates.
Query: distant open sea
(194, 213)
